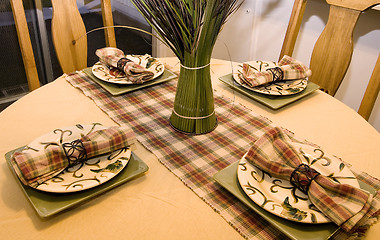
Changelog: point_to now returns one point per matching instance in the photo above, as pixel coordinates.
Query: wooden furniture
(69, 33)
(371, 92)
(25, 44)
(333, 50)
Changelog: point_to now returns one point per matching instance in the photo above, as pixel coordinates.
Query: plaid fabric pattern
(34, 167)
(109, 55)
(108, 140)
(132, 71)
(347, 206)
(290, 67)
(193, 159)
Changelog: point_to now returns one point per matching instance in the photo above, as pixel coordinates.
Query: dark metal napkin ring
(122, 62)
(75, 152)
(302, 177)
(277, 73)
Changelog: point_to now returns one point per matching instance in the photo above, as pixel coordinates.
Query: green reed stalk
(190, 28)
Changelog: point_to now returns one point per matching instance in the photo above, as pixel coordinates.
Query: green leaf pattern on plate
(84, 175)
(280, 197)
(278, 88)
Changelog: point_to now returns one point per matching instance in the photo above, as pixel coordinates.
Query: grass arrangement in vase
(190, 29)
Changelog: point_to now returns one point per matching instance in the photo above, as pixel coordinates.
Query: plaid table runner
(193, 159)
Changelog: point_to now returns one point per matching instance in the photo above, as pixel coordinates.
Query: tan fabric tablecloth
(158, 205)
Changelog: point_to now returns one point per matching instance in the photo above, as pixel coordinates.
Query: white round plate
(280, 197)
(103, 72)
(85, 175)
(279, 88)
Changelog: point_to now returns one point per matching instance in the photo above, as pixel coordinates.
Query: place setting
(119, 73)
(304, 191)
(274, 84)
(72, 164)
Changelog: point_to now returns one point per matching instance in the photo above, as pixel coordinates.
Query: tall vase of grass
(190, 29)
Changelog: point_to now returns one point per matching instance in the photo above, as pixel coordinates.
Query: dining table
(164, 202)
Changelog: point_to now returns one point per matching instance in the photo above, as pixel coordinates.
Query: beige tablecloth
(158, 205)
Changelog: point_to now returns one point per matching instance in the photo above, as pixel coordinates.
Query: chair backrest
(333, 50)
(69, 33)
(25, 44)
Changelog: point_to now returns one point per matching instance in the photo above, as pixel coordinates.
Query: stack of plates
(82, 181)
(275, 94)
(115, 84)
(282, 204)
(278, 88)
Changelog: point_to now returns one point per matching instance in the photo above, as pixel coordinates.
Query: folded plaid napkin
(34, 167)
(288, 69)
(349, 207)
(116, 59)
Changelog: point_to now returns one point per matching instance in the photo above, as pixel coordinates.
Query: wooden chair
(25, 44)
(69, 33)
(333, 50)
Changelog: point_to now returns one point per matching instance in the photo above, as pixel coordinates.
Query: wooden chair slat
(25, 44)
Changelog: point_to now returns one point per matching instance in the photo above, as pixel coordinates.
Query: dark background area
(13, 83)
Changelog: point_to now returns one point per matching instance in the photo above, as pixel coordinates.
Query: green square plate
(297, 231)
(48, 204)
(117, 89)
(274, 102)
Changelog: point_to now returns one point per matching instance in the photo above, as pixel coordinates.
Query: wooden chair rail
(360, 5)
(108, 21)
(371, 92)
(293, 28)
(25, 44)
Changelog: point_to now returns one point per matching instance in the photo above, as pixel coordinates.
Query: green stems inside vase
(193, 111)
(190, 29)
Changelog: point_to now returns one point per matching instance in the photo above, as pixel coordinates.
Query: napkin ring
(75, 152)
(302, 177)
(277, 73)
(122, 62)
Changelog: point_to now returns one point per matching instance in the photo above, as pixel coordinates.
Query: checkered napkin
(288, 69)
(349, 207)
(34, 167)
(125, 67)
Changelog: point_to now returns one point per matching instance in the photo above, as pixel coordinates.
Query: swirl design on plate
(278, 88)
(83, 175)
(283, 199)
(113, 75)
